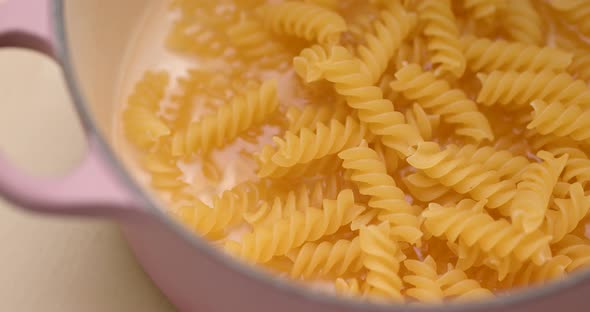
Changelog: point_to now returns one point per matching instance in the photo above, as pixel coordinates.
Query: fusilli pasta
(143, 127)
(437, 96)
(515, 90)
(311, 145)
(370, 175)
(577, 249)
(533, 193)
(295, 230)
(486, 55)
(522, 22)
(566, 213)
(462, 174)
(576, 12)
(393, 25)
(442, 37)
(215, 130)
(346, 72)
(468, 222)
(326, 259)
(379, 256)
(561, 120)
(304, 20)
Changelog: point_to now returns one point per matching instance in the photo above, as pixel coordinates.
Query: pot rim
(63, 53)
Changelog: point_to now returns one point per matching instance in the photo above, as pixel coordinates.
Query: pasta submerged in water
(401, 151)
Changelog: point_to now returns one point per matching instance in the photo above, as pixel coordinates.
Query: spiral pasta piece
(379, 256)
(468, 222)
(225, 212)
(516, 90)
(392, 27)
(533, 193)
(230, 120)
(483, 9)
(566, 213)
(277, 239)
(581, 64)
(411, 51)
(164, 172)
(423, 280)
(268, 213)
(141, 123)
(267, 168)
(487, 55)
(561, 120)
(546, 142)
(532, 274)
(308, 64)
(388, 156)
(442, 37)
(326, 259)
(577, 167)
(522, 22)
(283, 205)
(347, 287)
(426, 124)
(576, 12)
(505, 163)
(424, 188)
(462, 174)
(312, 145)
(575, 248)
(252, 40)
(439, 98)
(310, 116)
(304, 20)
(473, 257)
(457, 286)
(353, 83)
(370, 175)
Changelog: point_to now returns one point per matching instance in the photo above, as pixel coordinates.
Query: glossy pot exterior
(91, 39)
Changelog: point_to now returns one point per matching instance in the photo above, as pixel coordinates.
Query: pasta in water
(393, 151)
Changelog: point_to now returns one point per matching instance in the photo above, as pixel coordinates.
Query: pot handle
(90, 189)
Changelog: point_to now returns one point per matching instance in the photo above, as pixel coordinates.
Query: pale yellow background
(54, 263)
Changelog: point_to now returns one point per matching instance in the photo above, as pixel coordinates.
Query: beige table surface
(55, 263)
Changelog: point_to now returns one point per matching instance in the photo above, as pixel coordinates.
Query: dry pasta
(379, 254)
(308, 21)
(576, 12)
(392, 27)
(437, 96)
(142, 124)
(515, 90)
(370, 175)
(397, 151)
(326, 258)
(560, 120)
(442, 36)
(483, 9)
(485, 55)
(534, 191)
(522, 22)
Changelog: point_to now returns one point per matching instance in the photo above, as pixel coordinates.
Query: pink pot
(88, 38)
